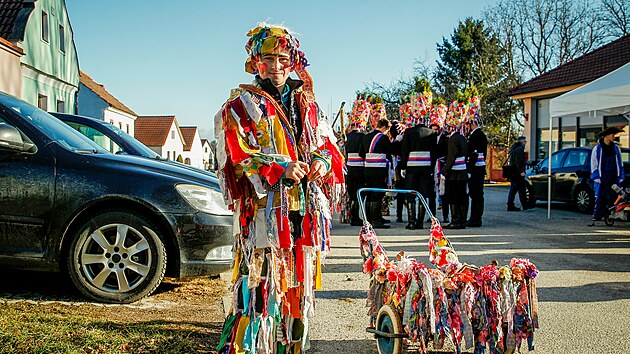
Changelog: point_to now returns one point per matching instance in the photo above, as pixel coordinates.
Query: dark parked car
(117, 224)
(107, 135)
(571, 177)
(116, 140)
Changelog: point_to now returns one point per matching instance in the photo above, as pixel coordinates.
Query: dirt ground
(193, 304)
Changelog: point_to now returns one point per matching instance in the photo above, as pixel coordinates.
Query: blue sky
(182, 57)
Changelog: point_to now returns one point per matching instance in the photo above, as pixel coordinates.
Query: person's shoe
(419, 225)
(410, 226)
(472, 223)
(380, 226)
(356, 223)
(446, 221)
(385, 221)
(454, 226)
(399, 219)
(513, 208)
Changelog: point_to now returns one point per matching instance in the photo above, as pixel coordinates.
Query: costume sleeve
(450, 155)
(621, 176)
(404, 151)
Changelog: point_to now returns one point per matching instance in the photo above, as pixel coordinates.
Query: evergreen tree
(474, 56)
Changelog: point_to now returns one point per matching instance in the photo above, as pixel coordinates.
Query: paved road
(584, 284)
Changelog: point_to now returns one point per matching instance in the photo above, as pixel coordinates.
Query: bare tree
(615, 17)
(543, 34)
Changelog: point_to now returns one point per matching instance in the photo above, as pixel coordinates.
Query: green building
(49, 66)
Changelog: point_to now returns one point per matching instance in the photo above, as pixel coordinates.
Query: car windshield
(53, 127)
(146, 152)
(556, 158)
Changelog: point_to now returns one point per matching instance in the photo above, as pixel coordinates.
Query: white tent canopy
(610, 95)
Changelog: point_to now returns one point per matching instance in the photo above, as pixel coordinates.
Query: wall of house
(122, 120)
(10, 72)
(174, 145)
(208, 157)
(90, 104)
(48, 70)
(196, 153)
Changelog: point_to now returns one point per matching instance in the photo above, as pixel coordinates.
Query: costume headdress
(421, 101)
(265, 38)
(474, 105)
(361, 110)
(406, 115)
(378, 111)
(438, 112)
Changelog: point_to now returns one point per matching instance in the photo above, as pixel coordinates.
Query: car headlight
(203, 199)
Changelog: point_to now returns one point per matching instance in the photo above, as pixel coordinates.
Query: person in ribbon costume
(279, 169)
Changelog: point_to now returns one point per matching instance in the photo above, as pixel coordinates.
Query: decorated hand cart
(489, 309)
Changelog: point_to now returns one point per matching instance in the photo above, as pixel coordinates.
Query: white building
(96, 102)
(162, 134)
(193, 148)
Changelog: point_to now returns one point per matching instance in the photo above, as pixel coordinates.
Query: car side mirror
(11, 139)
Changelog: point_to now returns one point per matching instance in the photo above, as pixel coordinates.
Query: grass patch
(27, 328)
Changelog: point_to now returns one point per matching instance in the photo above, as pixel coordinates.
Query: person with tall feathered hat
(455, 164)
(417, 161)
(476, 159)
(355, 163)
(279, 165)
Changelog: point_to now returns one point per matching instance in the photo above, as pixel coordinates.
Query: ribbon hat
(265, 38)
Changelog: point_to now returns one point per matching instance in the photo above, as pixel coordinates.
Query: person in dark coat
(456, 178)
(376, 150)
(396, 134)
(417, 160)
(441, 151)
(606, 170)
(517, 181)
(355, 167)
(476, 165)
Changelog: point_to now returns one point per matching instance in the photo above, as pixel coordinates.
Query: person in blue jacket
(606, 170)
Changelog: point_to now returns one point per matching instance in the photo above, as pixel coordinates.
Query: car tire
(113, 269)
(584, 200)
(529, 196)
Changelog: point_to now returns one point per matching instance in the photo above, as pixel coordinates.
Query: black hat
(610, 130)
(522, 138)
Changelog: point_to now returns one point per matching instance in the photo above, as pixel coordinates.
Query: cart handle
(386, 190)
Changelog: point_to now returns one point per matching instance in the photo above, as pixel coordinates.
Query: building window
(127, 128)
(205, 150)
(42, 102)
(168, 155)
(120, 125)
(172, 134)
(62, 39)
(44, 26)
(111, 121)
(61, 106)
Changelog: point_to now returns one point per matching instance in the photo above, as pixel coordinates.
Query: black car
(117, 224)
(571, 177)
(107, 135)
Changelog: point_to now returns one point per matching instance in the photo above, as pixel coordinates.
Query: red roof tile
(586, 68)
(153, 130)
(100, 91)
(189, 136)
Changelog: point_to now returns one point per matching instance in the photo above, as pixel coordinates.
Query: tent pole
(549, 169)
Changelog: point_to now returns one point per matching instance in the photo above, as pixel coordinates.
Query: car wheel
(529, 196)
(117, 257)
(584, 200)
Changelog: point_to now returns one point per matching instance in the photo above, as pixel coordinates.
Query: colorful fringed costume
(493, 309)
(281, 228)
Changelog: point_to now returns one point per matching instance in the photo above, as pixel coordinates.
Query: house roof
(153, 130)
(586, 68)
(101, 92)
(12, 22)
(189, 136)
(11, 45)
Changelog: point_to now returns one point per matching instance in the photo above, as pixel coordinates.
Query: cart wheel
(608, 220)
(388, 321)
